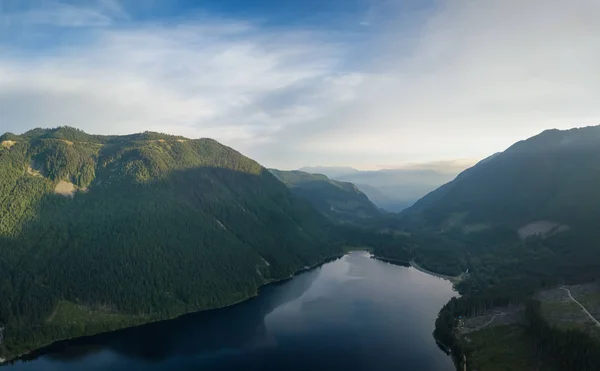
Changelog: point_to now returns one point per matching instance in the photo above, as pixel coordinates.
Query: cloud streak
(480, 76)
(99, 13)
(218, 78)
(460, 79)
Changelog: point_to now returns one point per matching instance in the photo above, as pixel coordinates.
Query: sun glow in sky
(365, 83)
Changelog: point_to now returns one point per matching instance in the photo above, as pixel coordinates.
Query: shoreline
(32, 353)
(22, 357)
(439, 275)
(412, 263)
(402, 263)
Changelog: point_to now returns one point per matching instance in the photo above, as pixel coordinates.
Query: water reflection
(238, 326)
(354, 313)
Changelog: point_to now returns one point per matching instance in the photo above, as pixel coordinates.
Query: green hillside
(340, 201)
(130, 229)
(521, 221)
(553, 177)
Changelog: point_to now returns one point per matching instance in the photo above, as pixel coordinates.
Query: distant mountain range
(392, 189)
(332, 172)
(340, 201)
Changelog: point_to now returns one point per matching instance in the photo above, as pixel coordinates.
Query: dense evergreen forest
(142, 227)
(552, 177)
(518, 222)
(503, 270)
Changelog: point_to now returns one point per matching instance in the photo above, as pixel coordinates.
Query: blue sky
(366, 83)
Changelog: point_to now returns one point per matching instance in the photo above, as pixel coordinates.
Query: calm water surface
(355, 313)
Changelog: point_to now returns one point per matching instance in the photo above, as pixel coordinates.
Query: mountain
(397, 189)
(340, 201)
(519, 224)
(330, 171)
(542, 185)
(102, 232)
(391, 189)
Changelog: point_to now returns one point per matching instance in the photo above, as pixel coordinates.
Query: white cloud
(98, 13)
(466, 81)
(214, 78)
(482, 75)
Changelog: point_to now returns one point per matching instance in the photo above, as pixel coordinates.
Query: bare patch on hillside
(32, 170)
(454, 220)
(73, 314)
(65, 188)
(68, 142)
(221, 224)
(181, 140)
(542, 228)
(266, 262)
(500, 316)
(8, 143)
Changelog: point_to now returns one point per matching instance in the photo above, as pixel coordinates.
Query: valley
(325, 315)
(394, 190)
(101, 233)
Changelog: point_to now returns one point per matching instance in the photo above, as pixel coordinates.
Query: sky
(291, 83)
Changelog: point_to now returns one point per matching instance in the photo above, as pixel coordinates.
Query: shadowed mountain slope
(138, 228)
(340, 201)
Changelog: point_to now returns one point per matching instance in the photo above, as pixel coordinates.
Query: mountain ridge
(155, 226)
(340, 201)
(551, 176)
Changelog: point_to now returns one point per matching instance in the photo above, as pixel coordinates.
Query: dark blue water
(355, 313)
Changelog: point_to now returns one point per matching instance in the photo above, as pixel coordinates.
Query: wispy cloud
(98, 13)
(459, 79)
(203, 77)
(474, 78)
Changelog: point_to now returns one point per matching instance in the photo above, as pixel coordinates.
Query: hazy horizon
(448, 166)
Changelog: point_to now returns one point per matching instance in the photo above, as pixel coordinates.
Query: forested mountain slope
(137, 228)
(526, 215)
(340, 201)
(550, 180)
(521, 221)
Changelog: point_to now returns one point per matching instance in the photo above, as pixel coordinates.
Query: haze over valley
(396, 189)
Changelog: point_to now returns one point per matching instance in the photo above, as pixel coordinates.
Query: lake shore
(350, 298)
(412, 263)
(24, 356)
(452, 279)
(391, 261)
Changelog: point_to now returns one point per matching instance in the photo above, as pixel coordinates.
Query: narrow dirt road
(582, 307)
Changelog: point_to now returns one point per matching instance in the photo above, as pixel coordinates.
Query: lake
(355, 313)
